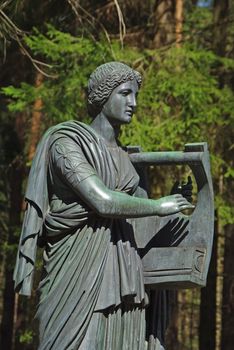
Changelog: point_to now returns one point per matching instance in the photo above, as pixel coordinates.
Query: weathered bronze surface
(110, 252)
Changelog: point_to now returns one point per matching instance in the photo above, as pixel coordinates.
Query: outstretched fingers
(183, 203)
(186, 205)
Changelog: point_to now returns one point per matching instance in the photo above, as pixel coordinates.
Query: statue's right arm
(119, 204)
(84, 181)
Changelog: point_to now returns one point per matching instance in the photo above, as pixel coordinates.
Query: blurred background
(184, 50)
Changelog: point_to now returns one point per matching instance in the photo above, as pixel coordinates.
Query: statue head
(104, 80)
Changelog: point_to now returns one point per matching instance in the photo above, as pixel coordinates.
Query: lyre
(183, 261)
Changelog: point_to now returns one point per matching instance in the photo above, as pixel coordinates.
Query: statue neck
(106, 130)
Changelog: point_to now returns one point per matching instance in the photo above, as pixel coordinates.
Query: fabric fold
(91, 263)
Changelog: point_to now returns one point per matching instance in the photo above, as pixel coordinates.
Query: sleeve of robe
(69, 162)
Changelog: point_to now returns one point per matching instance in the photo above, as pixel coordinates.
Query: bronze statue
(86, 208)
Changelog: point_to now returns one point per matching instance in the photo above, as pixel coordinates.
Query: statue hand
(185, 189)
(173, 204)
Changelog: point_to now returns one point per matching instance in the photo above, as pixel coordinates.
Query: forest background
(185, 51)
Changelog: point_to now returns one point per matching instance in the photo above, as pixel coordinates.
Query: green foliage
(226, 211)
(70, 60)
(10, 250)
(198, 26)
(27, 337)
(181, 100)
(24, 97)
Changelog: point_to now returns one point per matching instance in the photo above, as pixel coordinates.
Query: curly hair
(104, 80)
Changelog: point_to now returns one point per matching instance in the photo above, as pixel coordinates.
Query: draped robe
(93, 275)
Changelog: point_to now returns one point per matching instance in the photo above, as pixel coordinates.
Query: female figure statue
(80, 195)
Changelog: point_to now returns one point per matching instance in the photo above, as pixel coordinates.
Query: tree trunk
(228, 291)
(179, 21)
(207, 328)
(220, 266)
(36, 120)
(220, 19)
(8, 317)
(164, 33)
(172, 330)
(183, 332)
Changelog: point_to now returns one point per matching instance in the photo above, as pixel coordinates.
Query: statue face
(121, 104)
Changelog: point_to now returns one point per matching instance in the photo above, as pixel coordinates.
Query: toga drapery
(93, 276)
